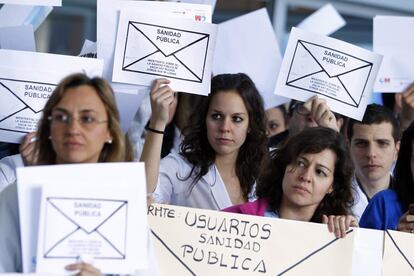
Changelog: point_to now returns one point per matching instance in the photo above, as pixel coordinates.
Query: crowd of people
(302, 163)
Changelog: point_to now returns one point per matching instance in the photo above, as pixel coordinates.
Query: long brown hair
(198, 151)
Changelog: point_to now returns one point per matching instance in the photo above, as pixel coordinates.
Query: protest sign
(149, 47)
(337, 71)
(27, 79)
(205, 242)
(64, 218)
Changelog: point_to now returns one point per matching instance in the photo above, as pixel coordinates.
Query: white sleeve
(8, 167)
(10, 252)
(172, 168)
(136, 131)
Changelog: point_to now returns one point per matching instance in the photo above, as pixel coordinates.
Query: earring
(50, 137)
(109, 141)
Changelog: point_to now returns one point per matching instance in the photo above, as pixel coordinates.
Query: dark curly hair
(310, 141)
(198, 151)
(403, 183)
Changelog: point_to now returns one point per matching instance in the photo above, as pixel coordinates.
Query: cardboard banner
(27, 79)
(398, 253)
(96, 210)
(337, 71)
(192, 241)
(152, 46)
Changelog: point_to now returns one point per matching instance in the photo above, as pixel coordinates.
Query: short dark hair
(376, 114)
(197, 149)
(310, 140)
(403, 183)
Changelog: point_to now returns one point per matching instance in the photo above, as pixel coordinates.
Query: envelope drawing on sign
(147, 52)
(398, 253)
(329, 72)
(76, 226)
(22, 103)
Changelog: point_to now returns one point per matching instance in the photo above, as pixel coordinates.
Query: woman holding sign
(221, 153)
(394, 208)
(308, 179)
(80, 124)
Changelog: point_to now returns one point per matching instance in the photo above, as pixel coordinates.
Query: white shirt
(10, 246)
(174, 186)
(360, 199)
(8, 167)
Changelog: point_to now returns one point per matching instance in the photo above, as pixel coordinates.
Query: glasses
(86, 121)
(300, 109)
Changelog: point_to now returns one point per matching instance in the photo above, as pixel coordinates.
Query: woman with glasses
(307, 179)
(80, 124)
(222, 150)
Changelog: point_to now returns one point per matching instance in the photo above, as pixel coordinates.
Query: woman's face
(227, 123)
(78, 126)
(308, 179)
(275, 121)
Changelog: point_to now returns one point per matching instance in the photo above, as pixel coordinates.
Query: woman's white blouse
(174, 186)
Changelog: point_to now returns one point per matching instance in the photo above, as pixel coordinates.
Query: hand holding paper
(407, 106)
(320, 112)
(162, 96)
(339, 225)
(84, 269)
(406, 223)
(26, 149)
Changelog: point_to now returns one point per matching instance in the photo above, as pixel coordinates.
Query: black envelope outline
(25, 104)
(199, 78)
(124, 203)
(278, 274)
(311, 254)
(172, 253)
(355, 101)
(399, 250)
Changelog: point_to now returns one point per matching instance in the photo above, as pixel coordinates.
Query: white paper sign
(19, 38)
(128, 104)
(317, 22)
(17, 15)
(107, 25)
(97, 210)
(237, 51)
(337, 71)
(150, 46)
(391, 39)
(33, 2)
(27, 79)
(88, 49)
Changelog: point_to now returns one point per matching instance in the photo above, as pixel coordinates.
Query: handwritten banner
(202, 242)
